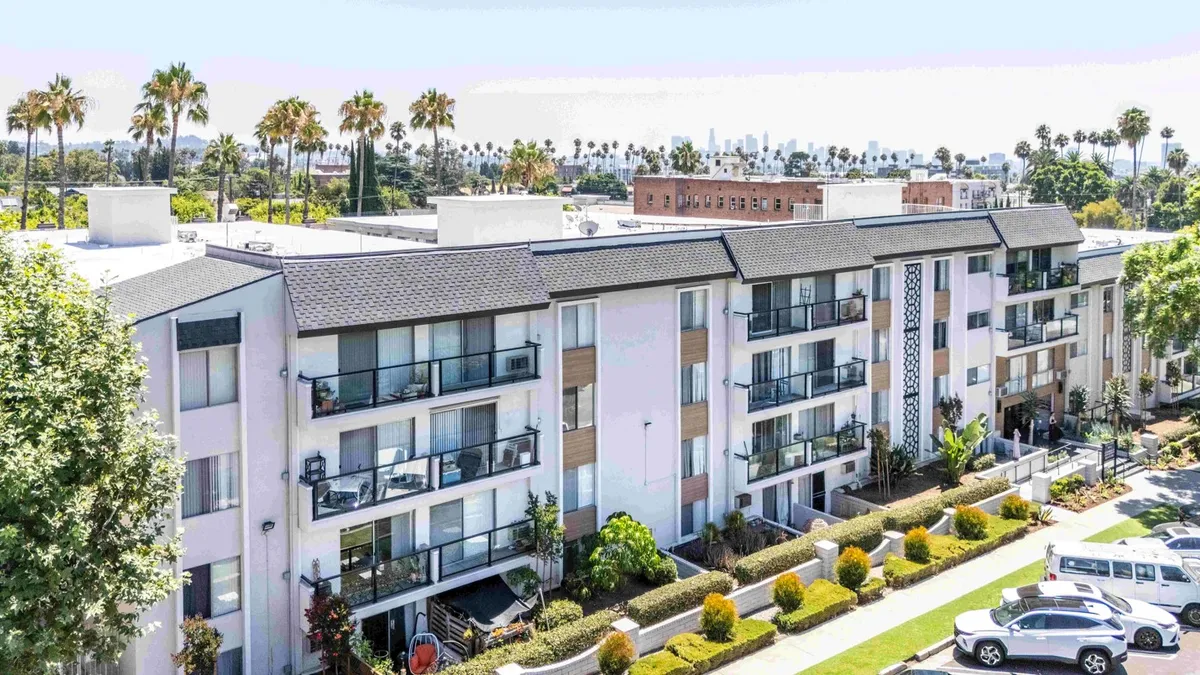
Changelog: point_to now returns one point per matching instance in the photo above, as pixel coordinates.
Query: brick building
(736, 199)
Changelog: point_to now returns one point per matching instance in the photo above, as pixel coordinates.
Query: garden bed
(947, 551)
(723, 553)
(925, 482)
(1070, 492)
(823, 600)
(749, 635)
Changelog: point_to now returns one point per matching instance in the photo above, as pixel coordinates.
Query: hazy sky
(973, 76)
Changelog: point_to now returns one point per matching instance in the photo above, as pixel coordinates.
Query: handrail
(1027, 281)
(379, 581)
(802, 386)
(520, 540)
(813, 451)
(1041, 332)
(804, 317)
(417, 363)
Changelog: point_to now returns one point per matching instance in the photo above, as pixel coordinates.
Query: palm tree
(1093, 138)
(310, 139)
(1167, 133)
(685, 159)
(149, 122)
(959, 159)
(180, 94)
(65, 105)
(1079, 137)
(1133, 126)
(1177, 159)
(942, 155)
(109, 145)
(363, 115)
(224, 152)
(1061, 141)
(1042, 133)
(266, 131)
(28, 114)
(1109, 139)
(430, 111)
(476, 150)
(895, 159)
(527, 165)
(290, 116)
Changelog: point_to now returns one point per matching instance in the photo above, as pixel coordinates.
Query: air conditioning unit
(741, 501)
(518, 363)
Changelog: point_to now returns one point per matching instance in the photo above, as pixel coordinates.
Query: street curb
(934, 648)
(894, 669)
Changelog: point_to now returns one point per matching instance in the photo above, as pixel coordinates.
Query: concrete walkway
(793, 654)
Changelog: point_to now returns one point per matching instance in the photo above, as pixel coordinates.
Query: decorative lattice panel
(1127, 352)
(911, 372)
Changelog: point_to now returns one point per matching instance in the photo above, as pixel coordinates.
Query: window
(230, 662)
(1045, 360)
(207, 377)
(215, 589)
(979, 375)
(693, 517)
(1016, 316)
(1172, 573)
(693, 309)
(210, 484)
(1108, 300)
(939, 334)
(578, 326)
(1043, 310)
(1122, 570)
(778, 204)
(1108, 345)
(694, 457)
(881, 283)
(879, 406)
(753, 203)
(1079, 300)
(579, 487)
(880, 345)
(1079, 348)
(720, 202)
(1086, 566)
(708, 201)
(667, 200)
(1177, 345)
(1033, 622)
(693, 384)
(764, 203)
(941, 388)
(742, 203)
(980, 319)
(1143, 572)
(941, 275)
(649, 198)
(579, 405)
(979, 264)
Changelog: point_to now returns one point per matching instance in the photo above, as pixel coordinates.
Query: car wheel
(989, 654)
(1191, 615)
(1148, 639)
(1095, 662)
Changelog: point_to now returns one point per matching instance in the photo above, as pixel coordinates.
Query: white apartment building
(372, 423)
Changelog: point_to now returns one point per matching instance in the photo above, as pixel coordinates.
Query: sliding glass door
(464, 435)
(463, 349)
(455, 523)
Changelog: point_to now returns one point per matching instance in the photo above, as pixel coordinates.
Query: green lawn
(901, 642)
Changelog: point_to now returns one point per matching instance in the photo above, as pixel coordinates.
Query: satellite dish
(589, 227)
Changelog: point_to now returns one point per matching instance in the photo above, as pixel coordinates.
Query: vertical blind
(211, 484)
(579, 326)
(357, 450)
(226, 586)
(207, 377)
(693, 381)
(693, 309)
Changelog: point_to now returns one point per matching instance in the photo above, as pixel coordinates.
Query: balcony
(484, 549)
(346, 392)
(802, 318)
(372, 583)
(1039, 333)
(1029, 281)
(1017, 385)
(778, 461)
(355, 490)
(763, 395)
(1188, 383)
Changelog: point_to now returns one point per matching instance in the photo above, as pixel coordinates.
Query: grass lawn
(901, 642)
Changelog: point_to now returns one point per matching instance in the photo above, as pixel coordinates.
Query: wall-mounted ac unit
(518, 363)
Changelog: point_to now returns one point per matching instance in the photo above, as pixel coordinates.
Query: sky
(975, 77)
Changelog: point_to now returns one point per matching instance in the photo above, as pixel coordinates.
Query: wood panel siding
(693, 420)
(1060, 357)
(579, 367)
(579, 447)
(881, 314)
(1106, 370)
(693, 346)
(694, 489)
(579, 523)
(1108, 323)
(941, 362)
(937, 418)
(881, 376)
(1001, 375)
(941, 304)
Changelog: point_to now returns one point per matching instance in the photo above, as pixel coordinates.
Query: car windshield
(1192, 567)
(1113, 600)
(1004, 614)
(1161, 536)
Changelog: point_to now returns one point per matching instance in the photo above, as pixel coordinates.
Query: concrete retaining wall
(843, 505)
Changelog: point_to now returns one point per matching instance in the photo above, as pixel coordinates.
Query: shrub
(871, 591)
(815, 524)
(788, 592)
(974, 492)
(982, 462)
(920, 514)
(717, 617)
(704, 655)
(1065, 486)
(524, 581)
(545, 648)
(901, 572)
(666, 601)
(1014, 508)
(852, 567)
(616, 654)
(735, 521)
(970, 522)
(624, 547)
(661, 663)
(916, 545)
(662, 572)
(557, 613)
(822, 601)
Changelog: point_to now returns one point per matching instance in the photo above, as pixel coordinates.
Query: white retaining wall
(845, 506)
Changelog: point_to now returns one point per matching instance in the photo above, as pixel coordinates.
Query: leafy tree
(191, 204)
(624, 547)
(1145, 386)
(255, 183)
(1116, 400)
(88, 483)
(1078, 398)
(548, 534)
(28, 114)
(1073, 183)
(602, 184)
(331, 628)
(148, 122)
(201, 647)
(952, 410)
(1162, 298)
(369, 200)
(796, 165)
(1106, 214)
(403, 176)
(957, 447)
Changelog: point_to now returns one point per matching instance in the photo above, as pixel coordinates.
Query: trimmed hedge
(871, 591)
(704, 655)
(660, 663)
(974, 492)
(822, 601)
(948, 551)
(920, 514)
(665, 602)
(545, 648)
(557, 613)
(1180, 433)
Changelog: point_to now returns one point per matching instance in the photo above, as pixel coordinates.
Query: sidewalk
(793, 654)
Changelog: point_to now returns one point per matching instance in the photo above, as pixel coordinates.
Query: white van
(1158, 577)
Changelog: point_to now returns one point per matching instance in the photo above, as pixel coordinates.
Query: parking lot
(1182, 661)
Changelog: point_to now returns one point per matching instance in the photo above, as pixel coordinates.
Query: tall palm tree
(66, 106)
(225, 152)
(148, 123)
(1167, 134)
(291, 116)
(1093, 138)
(942, 155)
(28, 114)
(1061, 141)
(1079, 137)
(267, 133)
(363, 115)
(685, 159)
(1177, 159)
(1109, 139)
(591, 146)
(433, 110)
(109, 145)
(959, 160)
(181, 94)
(527, 165)
(1133, 126)
(1023, 151)
(310, 139)
(1042, 133)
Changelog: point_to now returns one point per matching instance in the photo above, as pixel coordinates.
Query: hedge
(871, 591)
(704, 655)
(660, 663)
(919, 514)
(545, 648)
(823, 601)
(947, 551)
(974, 492)
(665, 602)
(1179, 433)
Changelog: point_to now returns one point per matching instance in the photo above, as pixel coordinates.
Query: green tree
(623, 547)
(181, 95)
(370, 201)
(311, 139)
(201, 647)
(226, 153)
(109, 146)
(1177, 160)
(527, 165)
(1115, 398)
(957, 447)
(796, 165)
(548, 535)
(1042, 133)
(289, 118)
(267, 133)
(942, 155)
(1145, 386)
(685, 159)
(189, 205)
(149, 121)
(88, 483)
(66, 106)
(433, 110)
(28, 114)
(1073, 183)
(1133, 126)
(331, 627)
(1104, 214)
(1162, 298)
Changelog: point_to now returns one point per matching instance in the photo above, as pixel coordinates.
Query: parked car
(1146, 626)
(1157, 576)
(1180, 539)
(1067, 630)
(1189, 516)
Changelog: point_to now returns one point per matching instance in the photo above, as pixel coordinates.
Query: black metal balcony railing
(484, 460)
(484, 549)
(371, 388)
(1188, 382)
(1028, 281)
(804, 386)
(771, 463)
(801, 318)
(371, 583)
(1047, 331)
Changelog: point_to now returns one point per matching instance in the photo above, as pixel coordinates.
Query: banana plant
(957, 448)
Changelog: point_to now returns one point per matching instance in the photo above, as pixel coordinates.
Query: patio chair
(424, 654)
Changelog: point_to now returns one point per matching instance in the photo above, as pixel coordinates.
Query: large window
(940, 331)
(693, 309)
(693, 384)
(579, 488)
(210, 484)
(979, 264)
(579, 407)
(881, 283)
(980, 319)
(578, 326)
(941, 388)
(879, 406)
(880, 345)
(1108, 300)
(1079, 300)
(979, 374)
(941, 275)
(1079, 347)
(1045, 360)
(214, 589)
(694, 460)
(207, 377)
(693, 517)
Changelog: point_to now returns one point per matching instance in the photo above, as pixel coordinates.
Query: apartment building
(958, 193)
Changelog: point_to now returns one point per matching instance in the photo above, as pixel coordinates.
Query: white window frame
(949, 268)
(208, 377)
(987, 263)
(573, 309)
(980, 374)
(881, 345)
(224, 487)
(881, 403)
(887, 295)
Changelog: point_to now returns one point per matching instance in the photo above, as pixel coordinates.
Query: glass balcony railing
(801, 318)
(486, 459)
(777, 461)
(484, 549)
(370, 583)
(1047, 331)
(476, 371)
(804, 386)
(1028, 281)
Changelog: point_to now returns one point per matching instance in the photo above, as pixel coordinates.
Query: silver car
(1146, 626)
(1179, 539)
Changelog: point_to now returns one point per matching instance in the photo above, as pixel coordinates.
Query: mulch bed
(926, 481)
(1090, 497)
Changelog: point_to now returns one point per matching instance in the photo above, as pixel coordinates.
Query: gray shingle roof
(797, 250)
(898, 236)
(188, 282)
(333, 293)
(611, 268)
(1099, 269)
(1037, 227)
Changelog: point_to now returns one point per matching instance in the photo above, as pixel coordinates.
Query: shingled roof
(1099, 269)
(613, 268)
(1037, 227)
(900, 236)
(329, 294)
(170, 288)
(765, 253)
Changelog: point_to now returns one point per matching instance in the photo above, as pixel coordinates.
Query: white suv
(1146, 626)
(1068, 630)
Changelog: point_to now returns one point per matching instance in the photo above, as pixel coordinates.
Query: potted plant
(324, 396)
